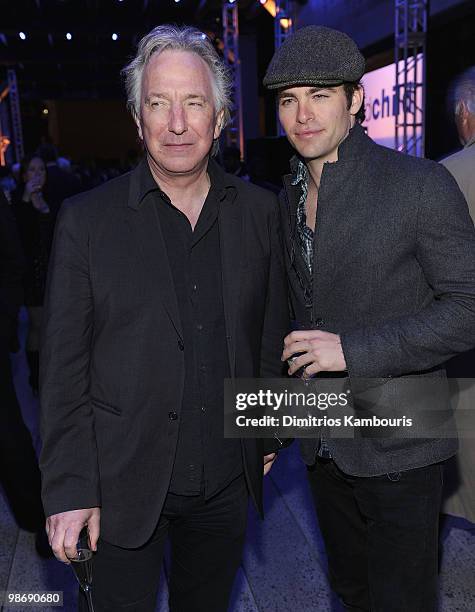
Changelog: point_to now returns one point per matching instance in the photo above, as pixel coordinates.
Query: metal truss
(234, 132)
(283, 22)
(4, 139)
(410, 51)
(12, 97)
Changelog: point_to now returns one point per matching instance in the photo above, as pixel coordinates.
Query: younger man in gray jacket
(381, 260)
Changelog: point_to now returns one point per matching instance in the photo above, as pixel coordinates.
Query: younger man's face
(316, 119)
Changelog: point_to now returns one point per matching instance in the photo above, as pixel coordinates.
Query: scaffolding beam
(234, 131)
(410, 56)
(15, 115)
(283, 22)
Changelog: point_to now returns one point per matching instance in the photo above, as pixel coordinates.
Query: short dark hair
(350, 89)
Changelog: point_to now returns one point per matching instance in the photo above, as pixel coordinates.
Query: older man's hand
(317, 351)
(63, 531)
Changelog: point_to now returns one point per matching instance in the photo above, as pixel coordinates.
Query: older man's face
(317, 119)
(177, 119)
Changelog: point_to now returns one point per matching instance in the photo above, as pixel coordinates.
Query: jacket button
(172, 416)
(319, 322)
(181, 346)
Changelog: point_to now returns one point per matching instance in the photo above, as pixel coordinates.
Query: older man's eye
(195, 103)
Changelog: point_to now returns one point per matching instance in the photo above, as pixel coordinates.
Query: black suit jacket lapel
(145, 224)
(289, 200)
(230, 235)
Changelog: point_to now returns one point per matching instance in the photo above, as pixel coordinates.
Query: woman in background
(35, 224)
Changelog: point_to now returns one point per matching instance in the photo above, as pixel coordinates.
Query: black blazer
(112, 360)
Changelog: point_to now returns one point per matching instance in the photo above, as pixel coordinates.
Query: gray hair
(463, 90)
(181, 38)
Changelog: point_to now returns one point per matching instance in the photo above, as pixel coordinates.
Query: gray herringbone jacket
(394, 275)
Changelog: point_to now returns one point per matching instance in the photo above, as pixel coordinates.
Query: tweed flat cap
(315, 55)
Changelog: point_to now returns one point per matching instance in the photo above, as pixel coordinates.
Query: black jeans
(206, 539)
(381, 536)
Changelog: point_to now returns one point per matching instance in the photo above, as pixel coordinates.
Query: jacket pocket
(104, 406)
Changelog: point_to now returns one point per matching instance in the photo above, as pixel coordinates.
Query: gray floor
(283, 568)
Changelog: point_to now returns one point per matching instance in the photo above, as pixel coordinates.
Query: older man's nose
(177, 119)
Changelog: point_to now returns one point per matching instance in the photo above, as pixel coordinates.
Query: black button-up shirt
(205, 461)
(306, 238)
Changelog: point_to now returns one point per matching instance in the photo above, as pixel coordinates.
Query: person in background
(62, 184)
(459, 485)
(19, 473)
(380, 253)
(462, 164)
(35, 225)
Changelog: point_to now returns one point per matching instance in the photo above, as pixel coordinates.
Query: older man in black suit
(163, 283)
(381, 262)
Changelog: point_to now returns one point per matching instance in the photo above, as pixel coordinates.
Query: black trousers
(381, 536)
(206, 542)
(19, 472)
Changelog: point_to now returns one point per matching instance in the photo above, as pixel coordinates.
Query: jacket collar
(470, 143)
(142, 182)
(355, 145)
